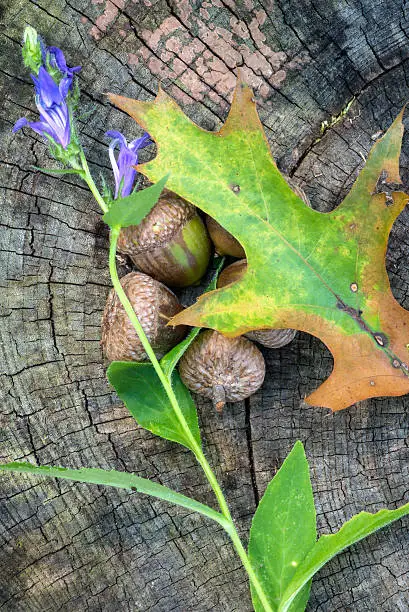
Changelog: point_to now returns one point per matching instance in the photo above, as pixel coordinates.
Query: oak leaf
(320, 273)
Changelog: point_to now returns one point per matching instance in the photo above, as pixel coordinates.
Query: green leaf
(121, 480)
(323, 274)
(58, 171)
(358, 527)
(133, 208)
(170, 360)
(139, 387)
(283, 530)
(218, 263)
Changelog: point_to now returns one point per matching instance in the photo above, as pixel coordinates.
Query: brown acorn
(272, 338)
(171, 244)
(232, 273)
(225, 243)
(154, 305)
(222, 369)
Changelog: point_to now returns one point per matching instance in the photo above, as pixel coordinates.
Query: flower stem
(90, 182)
(241, 551)
(196, 448)
(161, 375)
(229, 527)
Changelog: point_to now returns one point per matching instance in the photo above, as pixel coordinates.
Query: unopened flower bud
(32, 54)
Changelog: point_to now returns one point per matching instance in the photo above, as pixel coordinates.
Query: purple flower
(52, 105)
(124, 172)
(57, 60)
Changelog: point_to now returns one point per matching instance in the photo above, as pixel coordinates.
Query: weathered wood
(75, 547)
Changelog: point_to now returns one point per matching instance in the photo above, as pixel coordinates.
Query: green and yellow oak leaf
(320, 273)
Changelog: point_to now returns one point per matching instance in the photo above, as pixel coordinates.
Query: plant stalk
(90, 182)
(230, 528)
(161, 375)
(241, 551)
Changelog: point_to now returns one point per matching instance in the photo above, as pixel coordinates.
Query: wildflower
(52, 105)
(124, 172)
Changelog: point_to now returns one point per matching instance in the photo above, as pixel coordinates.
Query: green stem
(161, 375)
(90, 182)
(196, 448)
(241, 551)
(230, 527)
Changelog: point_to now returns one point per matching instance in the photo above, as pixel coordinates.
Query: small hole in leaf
(381, 339)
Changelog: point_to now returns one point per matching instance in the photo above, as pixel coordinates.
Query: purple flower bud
(52, 105)
(124, 172)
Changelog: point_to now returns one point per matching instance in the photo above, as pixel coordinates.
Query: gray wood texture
(67, 547)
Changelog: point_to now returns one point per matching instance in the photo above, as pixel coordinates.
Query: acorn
(272, 338)
(222, 369)
(171, 244)
(225, 243)
(154, 305)
(232, 273)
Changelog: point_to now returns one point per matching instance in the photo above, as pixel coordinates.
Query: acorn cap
(158, 227)
(271, 338)
(222, 369)
(154, 305)
(170, 244)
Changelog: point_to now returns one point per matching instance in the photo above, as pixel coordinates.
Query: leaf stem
(229, 527)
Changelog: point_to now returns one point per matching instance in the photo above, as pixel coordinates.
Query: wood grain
(77, 547)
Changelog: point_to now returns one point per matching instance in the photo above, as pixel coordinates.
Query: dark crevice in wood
(51, 308)
(247, 422)
(316, 140)
(38, 6)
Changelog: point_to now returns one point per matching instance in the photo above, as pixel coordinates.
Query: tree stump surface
(68, 547)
